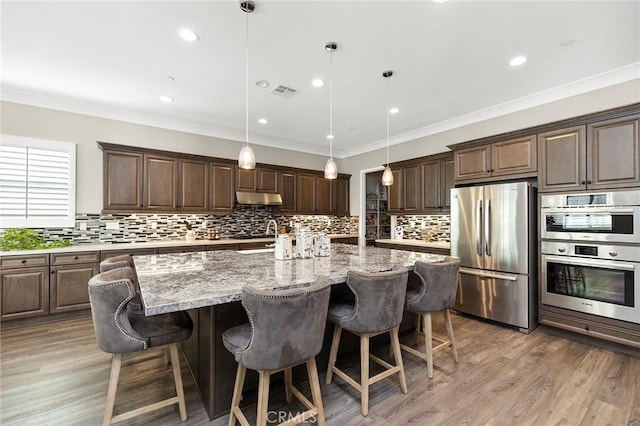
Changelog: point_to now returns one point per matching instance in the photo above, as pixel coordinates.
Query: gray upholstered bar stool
(119, 330)
(379, 299)
(436, 292)
(125, 261)
(286, 329)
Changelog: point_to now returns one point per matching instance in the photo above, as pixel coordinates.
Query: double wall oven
(590, 253)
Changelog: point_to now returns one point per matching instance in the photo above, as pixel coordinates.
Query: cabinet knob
(589, 182)
(75, 258)
(488, 171)
(53, 272)
(24, 261)
(492, 170)
(613, 253)
(582, 182)
(562, 249)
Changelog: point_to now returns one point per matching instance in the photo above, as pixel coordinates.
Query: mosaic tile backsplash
(244, 221)
(428, 227)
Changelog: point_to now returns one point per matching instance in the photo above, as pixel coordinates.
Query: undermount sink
(254, 251)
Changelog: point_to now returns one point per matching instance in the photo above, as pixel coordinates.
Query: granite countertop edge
(417, 243)
(148, 244)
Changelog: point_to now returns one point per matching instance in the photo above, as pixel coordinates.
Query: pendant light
(387, 175)
(330, 169)
(247, 158)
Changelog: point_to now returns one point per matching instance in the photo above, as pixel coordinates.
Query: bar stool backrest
(439, 284)
(287, 326)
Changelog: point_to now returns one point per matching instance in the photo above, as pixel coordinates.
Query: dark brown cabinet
(69, 275)
(24, 287)
(437, 181)
(266, 180)
(221, 195)
(599, 155)
(340, 197)
(287, 185)
(404, 194)
(193, 179)
(122, 176)
(322, 195)
(395, 192)
(160, 183)
(305, 193)
(245, 179)
(508, 159)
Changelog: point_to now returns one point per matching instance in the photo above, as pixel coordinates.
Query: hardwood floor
(55, 375)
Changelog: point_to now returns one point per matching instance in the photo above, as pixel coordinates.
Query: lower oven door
(497, 296)
(599, 287)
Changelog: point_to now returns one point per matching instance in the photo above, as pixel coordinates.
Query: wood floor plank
(54, 374)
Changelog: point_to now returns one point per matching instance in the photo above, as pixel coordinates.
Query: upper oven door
(608, 224)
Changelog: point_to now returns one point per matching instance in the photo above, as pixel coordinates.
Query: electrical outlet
(83, 226)
(154, 224)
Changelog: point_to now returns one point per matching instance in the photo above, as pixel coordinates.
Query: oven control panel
(598, 251)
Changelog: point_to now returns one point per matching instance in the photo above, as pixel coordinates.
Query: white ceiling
(450, 63)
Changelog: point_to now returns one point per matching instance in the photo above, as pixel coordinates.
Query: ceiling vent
(284, 91)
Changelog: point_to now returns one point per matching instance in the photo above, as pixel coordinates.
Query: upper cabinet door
(472, 163)
(193, 184)
(447, 165)
(245, 179)
(340, 197)
(323, 195)
(396, 193)
(122, 181)
(613, 156)
(221, 194)
(267, 180)
(411, 188)
(562, 160)
(287, 185)
(305, 193)
(514, 156)
(431, 181)
(160, 183)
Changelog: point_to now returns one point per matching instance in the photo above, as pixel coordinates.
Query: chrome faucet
(275, 228)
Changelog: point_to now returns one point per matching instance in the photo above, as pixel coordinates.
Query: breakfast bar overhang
(208, 285)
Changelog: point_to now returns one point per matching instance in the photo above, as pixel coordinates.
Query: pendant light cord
(246, 115)
(388, 120)
(331, 103)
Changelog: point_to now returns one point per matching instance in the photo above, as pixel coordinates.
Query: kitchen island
(208, 285)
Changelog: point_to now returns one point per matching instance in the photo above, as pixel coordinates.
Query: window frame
(67, 221)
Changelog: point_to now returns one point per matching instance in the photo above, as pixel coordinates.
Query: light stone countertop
(181, 281)
(150, 244)
(418, 243)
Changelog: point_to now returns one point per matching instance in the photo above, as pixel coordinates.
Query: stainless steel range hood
(258, 198)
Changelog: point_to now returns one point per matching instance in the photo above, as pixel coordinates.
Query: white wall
(84, 130)
(598, 100)
(25, 120)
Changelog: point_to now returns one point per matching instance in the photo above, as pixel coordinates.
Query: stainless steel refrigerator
(493, 232)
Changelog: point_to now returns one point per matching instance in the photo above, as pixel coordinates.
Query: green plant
(27, 239)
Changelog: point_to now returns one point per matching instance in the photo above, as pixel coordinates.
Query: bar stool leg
(364, 373)
(287, 385)
(316, 395)
(177, 377)
(447, 319)
(263, 397)
(397, 355)
(335, 342)
(116, 362)
(237, 394)
(428, 343)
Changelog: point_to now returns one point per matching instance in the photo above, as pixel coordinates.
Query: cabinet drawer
(24, 261)
(70, 258)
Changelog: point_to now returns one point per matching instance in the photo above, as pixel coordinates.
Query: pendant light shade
(247, 158)
(330, 169)
(387, 175)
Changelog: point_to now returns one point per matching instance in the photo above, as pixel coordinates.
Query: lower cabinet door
(69, 287)
(24, 293)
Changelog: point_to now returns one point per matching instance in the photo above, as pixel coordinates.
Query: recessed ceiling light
(166, 99)
(518, 60)
(567, 42)
(263, 120)
(317, 83)
(440, 1)
(394, 110)
(262, 84)
(188, 34)
(329, 136)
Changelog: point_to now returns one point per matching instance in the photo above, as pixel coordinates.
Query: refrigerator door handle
(484, 274)
(478, 222)
(487, 227)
